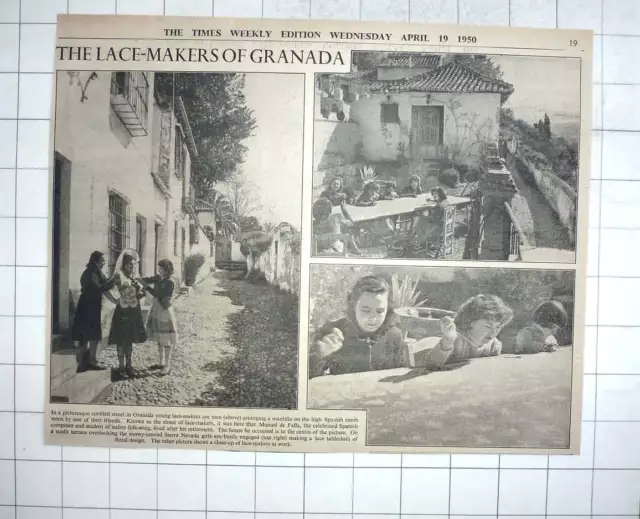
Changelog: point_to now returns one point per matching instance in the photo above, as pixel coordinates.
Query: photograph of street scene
(447, 156)
(443, 356)
(176, 266)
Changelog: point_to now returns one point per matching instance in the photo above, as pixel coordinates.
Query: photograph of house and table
(447, 156)
(176, 271)
(445, 356)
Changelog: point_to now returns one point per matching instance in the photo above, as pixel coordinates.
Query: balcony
(129, 97)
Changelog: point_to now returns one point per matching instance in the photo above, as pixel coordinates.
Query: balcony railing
(514, 237)
(129, 97)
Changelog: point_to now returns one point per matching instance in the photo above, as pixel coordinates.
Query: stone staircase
(66, 384)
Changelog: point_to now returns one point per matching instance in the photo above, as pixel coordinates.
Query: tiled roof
(411, 60)
(448, 78)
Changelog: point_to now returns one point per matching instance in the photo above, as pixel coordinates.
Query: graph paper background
(38, 481)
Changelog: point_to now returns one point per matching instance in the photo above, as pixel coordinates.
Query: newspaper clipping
(317, 236)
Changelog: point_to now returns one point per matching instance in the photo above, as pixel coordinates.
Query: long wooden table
(506, 401)
(391, 208)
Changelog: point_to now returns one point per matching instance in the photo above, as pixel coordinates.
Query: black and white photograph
(176, 261)
(446, 357)
(448, 156)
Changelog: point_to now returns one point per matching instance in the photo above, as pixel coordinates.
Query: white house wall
(380, 142)
(103, 158)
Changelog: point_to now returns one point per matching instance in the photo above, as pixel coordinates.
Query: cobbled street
(237, 347)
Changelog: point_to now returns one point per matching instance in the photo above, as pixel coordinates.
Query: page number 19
(573, 43)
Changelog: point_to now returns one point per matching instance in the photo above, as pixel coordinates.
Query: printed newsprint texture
(318, 236)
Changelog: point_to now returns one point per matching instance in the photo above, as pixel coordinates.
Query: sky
(542, 84)
(274, 158)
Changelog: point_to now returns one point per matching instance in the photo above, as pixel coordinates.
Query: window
(156, 243)
(129, 100)
(389, 113)
(118, 227)
(179, 154)
(141, 238)
(176, 251)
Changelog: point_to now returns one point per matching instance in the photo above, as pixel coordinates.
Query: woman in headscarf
(87, 328)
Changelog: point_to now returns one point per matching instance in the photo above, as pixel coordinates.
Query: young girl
(335, 193)
(366, 339)
(428, 229)
(127, 327)
(414, 188)
(161, 323)
(389, 192)
(327, 227)
(548, 318)
(471, 334)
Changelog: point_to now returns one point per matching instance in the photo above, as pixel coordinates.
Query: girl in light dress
(161, 323)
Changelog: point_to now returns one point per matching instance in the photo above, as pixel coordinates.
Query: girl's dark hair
(166, 265)
(483, 306)
(321, 209)
(416, 178)
(95, 257)
(371, 284)
(334, 179)
(440, 193)
(550, 313)
(372, 187)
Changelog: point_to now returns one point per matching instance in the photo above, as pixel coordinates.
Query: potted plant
(416, 320)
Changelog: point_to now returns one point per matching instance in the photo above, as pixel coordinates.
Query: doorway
(61, 242)
(426, 131)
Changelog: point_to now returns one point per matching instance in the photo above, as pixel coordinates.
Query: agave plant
(367, 174)
(405, 293)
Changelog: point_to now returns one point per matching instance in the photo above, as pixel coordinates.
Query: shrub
(255, 243)
(192, 265)
(449, 177)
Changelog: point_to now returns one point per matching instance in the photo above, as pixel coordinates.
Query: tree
(249, 224)
(242, 194)
(470, 131)
(480, 63)
(547, 127)
(368, 60)
(219, 119)
(226, 221)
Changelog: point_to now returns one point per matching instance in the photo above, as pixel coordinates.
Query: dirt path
(549, 233)
(228, 329)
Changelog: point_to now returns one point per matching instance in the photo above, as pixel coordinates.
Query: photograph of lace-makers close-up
(443, 356)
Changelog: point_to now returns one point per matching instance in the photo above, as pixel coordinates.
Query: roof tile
(452, 77)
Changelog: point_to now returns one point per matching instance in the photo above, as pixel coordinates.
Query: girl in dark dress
(161, 323)
(87, 328)
(127, 327)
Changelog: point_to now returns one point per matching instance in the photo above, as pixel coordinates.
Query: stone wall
(280, 264)
(561, 196)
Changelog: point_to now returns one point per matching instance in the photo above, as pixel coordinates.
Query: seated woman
(332, 231)
(365, 339)
(414, 188)
(471, 334)
(389, 192)
(336, 193)
(428, 229)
